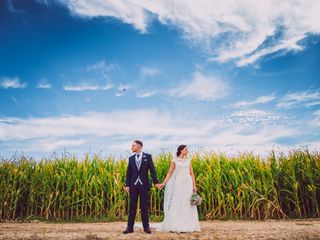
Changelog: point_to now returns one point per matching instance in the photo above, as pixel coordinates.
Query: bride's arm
(193, 178)
(169, 174)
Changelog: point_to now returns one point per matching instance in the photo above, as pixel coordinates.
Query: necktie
(138, 161)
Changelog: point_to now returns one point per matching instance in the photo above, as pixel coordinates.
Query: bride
(179, 214)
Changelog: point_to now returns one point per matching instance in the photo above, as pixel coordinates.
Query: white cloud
(149, 71)
(97, 124)
(146, 94)
(127, 11)
(291, 44)
(14, 82)
(316, 120)
(87, 86)
(256, 116)
(119, 93)
(259, 100)
(310, 104)
(305, 98)
(100, 65)
(113, 132)
(202, 87)
(52, 144)
(242, 31)
(43, 83)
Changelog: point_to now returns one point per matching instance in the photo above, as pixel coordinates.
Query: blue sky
(94, 75)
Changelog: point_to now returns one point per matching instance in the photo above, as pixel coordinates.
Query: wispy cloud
(303, 98)
(129, 12)
(100, 65)
(12, 82)
(88, 87)
(202, 87)
(157, 128)
(316, 120)
(14, 100)
(9, 6)
(314, 103)
(259, 100)
(240, 31)
(52, 144)
(145, 94)
(261, 117)
(43, 83)
(149, 71)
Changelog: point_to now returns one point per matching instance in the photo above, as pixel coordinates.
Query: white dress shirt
(139, 166)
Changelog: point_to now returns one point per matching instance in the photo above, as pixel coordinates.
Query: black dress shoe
(127, 231)
(147, 230)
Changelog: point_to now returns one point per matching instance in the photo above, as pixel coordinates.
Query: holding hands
(160, 185)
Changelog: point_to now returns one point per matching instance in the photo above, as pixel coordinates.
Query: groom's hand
(158, 185)
(127, 189)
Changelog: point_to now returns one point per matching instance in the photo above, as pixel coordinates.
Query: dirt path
(271, 229)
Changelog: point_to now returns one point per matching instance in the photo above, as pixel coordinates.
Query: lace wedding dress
(179, 214)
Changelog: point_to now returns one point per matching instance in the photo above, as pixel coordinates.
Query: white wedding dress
(179, 214)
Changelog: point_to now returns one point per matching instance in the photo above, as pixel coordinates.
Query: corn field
(246, 186)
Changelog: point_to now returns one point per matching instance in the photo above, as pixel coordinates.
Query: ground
(270, 229)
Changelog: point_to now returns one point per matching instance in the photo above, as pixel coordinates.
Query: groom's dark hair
(138, 142)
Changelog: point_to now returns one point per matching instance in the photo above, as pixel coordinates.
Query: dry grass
(270, 229)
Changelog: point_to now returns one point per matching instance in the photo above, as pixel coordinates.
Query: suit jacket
(133, 172)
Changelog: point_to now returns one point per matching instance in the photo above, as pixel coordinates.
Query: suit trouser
(135, 191)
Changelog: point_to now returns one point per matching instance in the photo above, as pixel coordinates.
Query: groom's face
(135, 147)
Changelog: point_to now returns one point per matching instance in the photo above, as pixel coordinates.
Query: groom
(137, 183)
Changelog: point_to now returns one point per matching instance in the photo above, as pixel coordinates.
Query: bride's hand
(194, 189)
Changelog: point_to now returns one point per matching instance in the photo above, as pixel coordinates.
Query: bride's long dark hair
(180, 148)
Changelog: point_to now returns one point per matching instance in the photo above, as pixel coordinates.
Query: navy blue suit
(136, 188)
